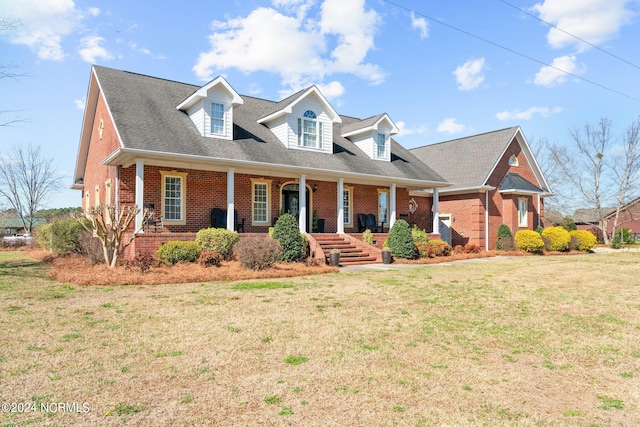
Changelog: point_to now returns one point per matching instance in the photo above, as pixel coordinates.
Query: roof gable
(286, 106)
(203, 92)
(369, 125)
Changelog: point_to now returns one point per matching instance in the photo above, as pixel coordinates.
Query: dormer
(372, 135)
(211, 108)
(303, 121)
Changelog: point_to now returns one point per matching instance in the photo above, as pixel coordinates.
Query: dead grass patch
(524, 341)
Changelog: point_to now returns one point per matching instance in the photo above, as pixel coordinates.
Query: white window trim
(379, 217)
(224, 118)
(183, 196)
(385, 153)
(267, 221)
(349, 189)
(523, 220)
(319, 132)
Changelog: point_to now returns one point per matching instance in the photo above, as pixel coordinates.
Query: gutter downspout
(486, 221)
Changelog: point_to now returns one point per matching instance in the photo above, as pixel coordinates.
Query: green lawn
(501, 341)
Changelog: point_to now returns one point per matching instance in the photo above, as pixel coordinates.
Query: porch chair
(219, 219)
(151, 219)
(372, 224)
(362, 222)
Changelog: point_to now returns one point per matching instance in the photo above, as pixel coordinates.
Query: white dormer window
(309, 130)
(217, 119)
(381, 146)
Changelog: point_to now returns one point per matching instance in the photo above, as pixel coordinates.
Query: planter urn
(334, 259)
(386, 257)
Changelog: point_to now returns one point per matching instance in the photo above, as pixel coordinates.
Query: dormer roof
(286, 106)
(202, 92)
(368, 125)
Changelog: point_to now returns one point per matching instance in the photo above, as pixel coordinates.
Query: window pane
(347, 209)
(383, 204)
(217, 118)
(260, 202)
(173, 198)
(380, 145)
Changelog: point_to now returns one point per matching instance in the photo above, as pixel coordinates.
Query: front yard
(501, 341)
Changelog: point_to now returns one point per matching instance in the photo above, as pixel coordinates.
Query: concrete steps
(349, 253)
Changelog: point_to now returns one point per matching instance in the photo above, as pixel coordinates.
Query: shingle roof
(590, 216)
(145, 114)
(361, 124)
(466, 162)
(513, 181)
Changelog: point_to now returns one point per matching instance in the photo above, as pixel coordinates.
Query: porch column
(302, 196)
(539, 219)
(392, 205)
(139, 193)
(436, 219)
(230, 200)
(486, 221)
(340, 228)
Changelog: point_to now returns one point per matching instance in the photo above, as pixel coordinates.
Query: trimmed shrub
(505, 244)
(568, 224)
(440, 247)
(424, 250)
(586, 239)
(258, 253)
(287, 233)
(210, 259)
(178, 251)
(419, 235)
(558, 238)
(367, 237)
(400, 240)
(61, 237)
(503, 233)
(458, 249)
(218, 240)
(143, 261)
(91, 247)
(529, 240)
(471, 248)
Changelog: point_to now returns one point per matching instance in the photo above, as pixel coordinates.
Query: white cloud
(300, 47)
(421, 25)
(470, 74)
(451, 125)
(332, 89)
(527, 114)
(44, 24)
(79, 103)
(134, 46)
(593, 20)
(556, 74)
(94, 11)
(404, 130)
(90, 49)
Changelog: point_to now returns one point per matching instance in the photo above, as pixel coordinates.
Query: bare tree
(109, 224)
(27, 179)
(7, 71)
(626, 168)
(543, 151)
(585, 168)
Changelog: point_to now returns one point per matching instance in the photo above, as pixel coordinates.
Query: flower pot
(334, 259)
(386, 257)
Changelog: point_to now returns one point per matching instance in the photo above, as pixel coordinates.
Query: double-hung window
(217, 118)
(173, 197)
(383, 206)
(346, 205)
(260, 202)
(309, 130)
(523, 212)
(381, 146)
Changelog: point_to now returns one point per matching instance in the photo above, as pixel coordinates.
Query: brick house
(185, 150)
(495, 180)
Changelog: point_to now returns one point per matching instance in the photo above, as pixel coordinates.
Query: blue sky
(441, 70)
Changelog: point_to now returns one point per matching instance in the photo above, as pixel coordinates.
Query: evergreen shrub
(178, 251)
(287, 233)
(558, 238)
(218, 240)
(418, 234)
(504, 238)
(586, 239)
(529, 240)
(61, 237)
(400, 241)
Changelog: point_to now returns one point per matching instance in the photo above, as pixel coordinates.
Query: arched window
(513, 161)
(309, 130)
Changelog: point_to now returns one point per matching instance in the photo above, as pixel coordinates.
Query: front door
(291, 202)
